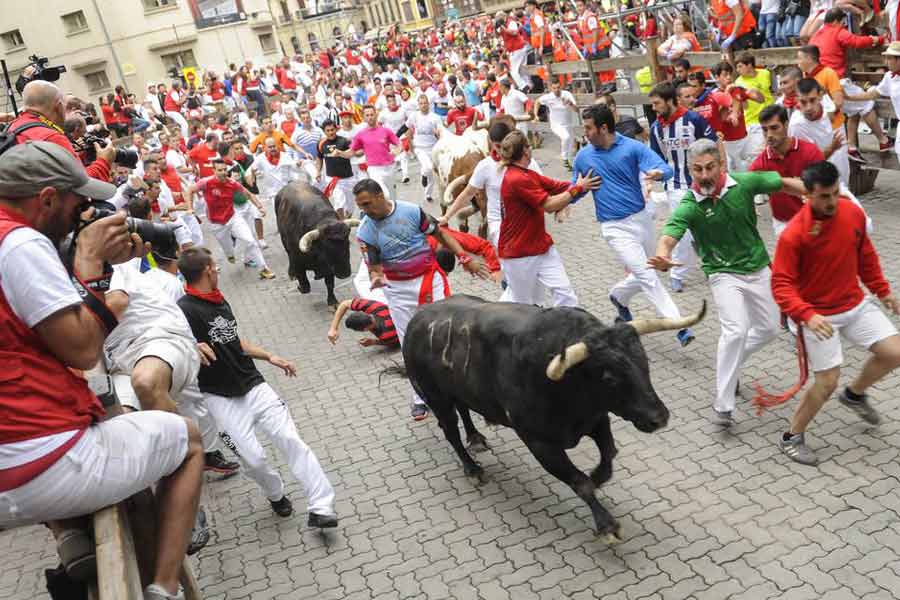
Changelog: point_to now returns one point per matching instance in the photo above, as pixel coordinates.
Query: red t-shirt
(217, 90)
(288, 126)
(712, 106)
(494, 96)
(522, 231)
(462, 119)
(800, 155)
(203, 156)
(170, 105)
(819, 263)
(513, 41)
(739, 131)
(219, 198)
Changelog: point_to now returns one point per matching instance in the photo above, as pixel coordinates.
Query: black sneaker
(283, 507)
(406, 180)
(861, 407)
(424, 181)
(321, 521)
(216, 462)
(226, 439)
(199, 534)
(419, 412)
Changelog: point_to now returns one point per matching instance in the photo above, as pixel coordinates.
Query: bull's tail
(397, 370)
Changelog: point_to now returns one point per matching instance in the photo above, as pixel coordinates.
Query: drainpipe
(112, 49)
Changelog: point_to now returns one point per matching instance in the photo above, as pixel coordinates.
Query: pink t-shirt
(376, 143)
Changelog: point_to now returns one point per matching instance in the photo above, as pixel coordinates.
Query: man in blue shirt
(674, 130)
(626, 222)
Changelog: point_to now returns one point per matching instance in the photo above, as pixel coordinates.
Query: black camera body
(43, 71)
(161, 236)
(85, 145)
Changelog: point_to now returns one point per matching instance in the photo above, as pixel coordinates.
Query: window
(13, 40)
(179, 60)
(285, 12)
(313, 41)
(157, 4)
(75, 22)
(407, 11)
(423, 8)
(391, 9)
(267, 41)
(97, 81)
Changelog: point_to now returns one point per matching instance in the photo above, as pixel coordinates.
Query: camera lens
(160, 235)
(126, 158)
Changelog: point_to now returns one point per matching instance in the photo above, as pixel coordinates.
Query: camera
(43, 71)
(159, 235)
(125, 158)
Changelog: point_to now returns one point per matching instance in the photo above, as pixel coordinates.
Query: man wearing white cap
(57, 462)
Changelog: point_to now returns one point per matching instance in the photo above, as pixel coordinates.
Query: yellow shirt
(761, 82)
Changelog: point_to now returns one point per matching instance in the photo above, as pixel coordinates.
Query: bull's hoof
(473, 470)
(333, 304)
(477, 443)
(601, 474)
(303, 287)
(610, 534)
(610, 539)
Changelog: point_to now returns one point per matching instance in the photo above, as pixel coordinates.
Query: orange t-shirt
(831, 83)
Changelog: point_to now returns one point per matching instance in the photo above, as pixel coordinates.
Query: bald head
(45, 98)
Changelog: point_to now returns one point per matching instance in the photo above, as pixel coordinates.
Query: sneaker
(231, 259)
(676, 284)
(886, 146)
(723, 418)
(854, 155)
(862, 408)
(263, 244)
(76, 552)
(424, 181)
(624, 313)
(283, 507)
(199, 534)
(429, 199)
(321, 521)
(216, 462)
(685, 337)
(794, 447)
(156, 592)
(250, 264)
(406, 179)
(266, 274)
(567, 164)
(419, 412)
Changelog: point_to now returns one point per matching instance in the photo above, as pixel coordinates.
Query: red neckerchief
(789, 101)
(673, 117)
(213, 297)
(275, 162)
(495, 155)
(716, 192)
(239, 157)
(895, 74)
(815, 71)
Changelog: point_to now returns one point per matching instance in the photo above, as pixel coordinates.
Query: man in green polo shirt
(720, 214)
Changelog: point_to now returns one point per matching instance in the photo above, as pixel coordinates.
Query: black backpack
(8, 138)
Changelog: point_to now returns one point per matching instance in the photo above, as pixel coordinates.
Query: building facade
(105, 43)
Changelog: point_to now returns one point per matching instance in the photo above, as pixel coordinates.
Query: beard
(707, 188)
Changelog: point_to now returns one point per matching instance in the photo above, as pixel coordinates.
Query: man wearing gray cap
(51, 321)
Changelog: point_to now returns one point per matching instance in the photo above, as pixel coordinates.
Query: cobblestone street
(705, 513)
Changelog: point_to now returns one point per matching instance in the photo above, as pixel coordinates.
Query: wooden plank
(189, 581)
(117, 572)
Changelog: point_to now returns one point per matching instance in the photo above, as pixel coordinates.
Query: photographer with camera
(43, 117)
(57, 462)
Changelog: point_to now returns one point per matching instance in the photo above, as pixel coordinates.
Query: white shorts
(177, 352)
(853, 108)
(113, 460)
(864, 325)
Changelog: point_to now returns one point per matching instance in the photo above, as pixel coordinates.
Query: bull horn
(352, 222)
(450, 191)
(571, 356)
(308, 238)
(643, 326)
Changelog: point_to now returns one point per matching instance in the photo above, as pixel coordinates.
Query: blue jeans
(768, 25)
(139, 125)
(789, 28)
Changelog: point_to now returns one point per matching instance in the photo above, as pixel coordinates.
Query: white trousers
(684, 251)
(249, 213)
(426, 168)
(113, 460)
(403, 160)
(739, 154)
(193, 226)
(749, 319)
(778, 227)
(528, 276)
(363, 285)
(261, 411)
(384, 175)
(237, 227)
(566, 141)
(403, 301)
(342, 196)
(633, 240)
(516, 62)
(180, 121)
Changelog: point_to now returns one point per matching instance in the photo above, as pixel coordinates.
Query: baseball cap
(29, 167)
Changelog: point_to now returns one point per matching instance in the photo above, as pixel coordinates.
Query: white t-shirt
(170, 285)
(36, 286)
(426, 128)
(393, 119)
(513, 103)
(769, 7)
(271, 178)
(820, 133)
(488, 177)
(560, 112)
(149, 307)
(889, 86)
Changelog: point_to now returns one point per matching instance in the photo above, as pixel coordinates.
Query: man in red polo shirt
(42, 118)
(462, 116)
(821, 258)
(227, 225)
(788, 156)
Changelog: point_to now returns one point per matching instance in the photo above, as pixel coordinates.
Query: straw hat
(892, 50)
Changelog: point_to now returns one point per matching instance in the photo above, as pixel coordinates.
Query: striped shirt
(384, 325)
(308, 139)
(670, 139)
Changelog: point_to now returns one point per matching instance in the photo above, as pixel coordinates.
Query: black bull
(552, 375)
(313, 237)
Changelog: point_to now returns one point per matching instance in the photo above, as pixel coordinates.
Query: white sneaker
(156, 592)
(263, 244)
